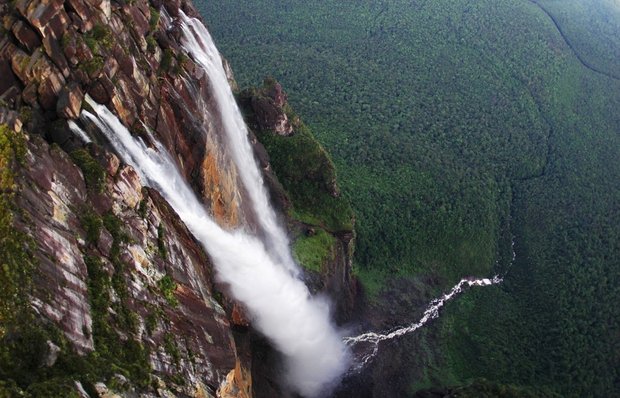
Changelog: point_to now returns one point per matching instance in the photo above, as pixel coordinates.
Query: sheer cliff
(105, 291)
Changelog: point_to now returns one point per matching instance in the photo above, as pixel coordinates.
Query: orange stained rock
(238, 383)
(218, 192)
(238, 317)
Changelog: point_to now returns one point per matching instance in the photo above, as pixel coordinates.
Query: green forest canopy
(456, 126)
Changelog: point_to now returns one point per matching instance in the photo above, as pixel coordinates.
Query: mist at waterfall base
(280, 305)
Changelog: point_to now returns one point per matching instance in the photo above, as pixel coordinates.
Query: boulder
(19, 63)
(40, 12)
(239, 317)
(139, 21)
(26, 35)
(53, 50)
(70, 101)
(110, 67)
(112, 164)
(173, 7)
(103, 5)
(81, 9)
(98, 92)
(49, 89)
(57, 25)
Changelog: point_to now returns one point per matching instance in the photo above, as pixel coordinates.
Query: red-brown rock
(271, 117)
(110, 67)
(26, 35)
(57, 25)
(98, 92)
(53, 50)
(39, 12)
(238, 317)
(81, 9)
(9, 85)
(269, 107)
(70, 101)
(173, 7)
(278, 95)
(139, 21)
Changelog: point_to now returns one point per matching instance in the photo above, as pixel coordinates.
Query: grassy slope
(443, 119)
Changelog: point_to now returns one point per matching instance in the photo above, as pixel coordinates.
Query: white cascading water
(197, 41)
(263, 277)
(281, 307)
(79, 132)
(432, 311)
(365, 355)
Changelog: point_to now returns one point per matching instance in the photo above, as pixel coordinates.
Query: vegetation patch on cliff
(94, 174)
(167, 285)
(99, 36)
(15, 263)
(312, 251)
(116, 355)
(306, 171)
(28, 366)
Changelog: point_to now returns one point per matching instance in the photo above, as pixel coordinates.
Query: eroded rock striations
(108, 294)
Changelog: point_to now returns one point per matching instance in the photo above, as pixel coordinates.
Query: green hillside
(456, 126)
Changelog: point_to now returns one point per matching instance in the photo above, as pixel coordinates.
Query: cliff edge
(105, 291)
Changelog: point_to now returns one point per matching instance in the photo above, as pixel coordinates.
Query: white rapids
(79, 132)
(431, 312)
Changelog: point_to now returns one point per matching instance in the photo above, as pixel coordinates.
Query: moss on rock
(94, 173)
(313, 251)
(16, 265)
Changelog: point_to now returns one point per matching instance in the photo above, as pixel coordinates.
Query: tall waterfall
(281, 307)
(197, 41)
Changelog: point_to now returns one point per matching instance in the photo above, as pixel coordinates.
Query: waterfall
(432, 311)
(197, 41)
(79, 132)
(281, 307)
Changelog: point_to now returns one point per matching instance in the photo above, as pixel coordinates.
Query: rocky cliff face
(126, 56)
(107, 293)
